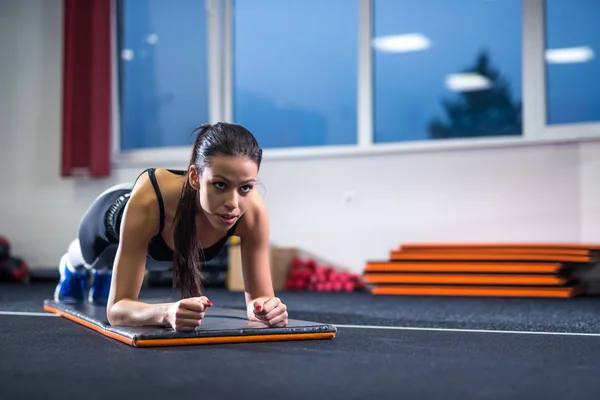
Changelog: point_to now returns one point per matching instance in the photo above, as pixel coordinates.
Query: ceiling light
(401, 43)
(152, 38)
(127, 54)
(467, 82)
(569, 55)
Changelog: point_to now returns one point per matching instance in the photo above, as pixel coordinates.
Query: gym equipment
(14, 269)
(483, 269)
(307, 275)
(219, 326)
(4, 248)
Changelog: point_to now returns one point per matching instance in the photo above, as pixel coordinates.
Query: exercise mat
(219, 326)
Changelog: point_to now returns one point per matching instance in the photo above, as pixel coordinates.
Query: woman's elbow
(113, 315)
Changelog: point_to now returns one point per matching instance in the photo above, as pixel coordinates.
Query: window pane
(163, 68)
(446, 69)
(294, 72)
(572, 64)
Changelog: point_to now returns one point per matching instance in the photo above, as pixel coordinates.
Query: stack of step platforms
(493, 269)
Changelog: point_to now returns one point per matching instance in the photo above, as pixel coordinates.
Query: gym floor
(386, 347)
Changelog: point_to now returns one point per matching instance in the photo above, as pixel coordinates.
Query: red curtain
(86, 132)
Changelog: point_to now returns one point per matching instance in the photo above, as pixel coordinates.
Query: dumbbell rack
(483, 269)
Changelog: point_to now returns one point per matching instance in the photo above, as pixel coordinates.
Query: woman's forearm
(127, 312)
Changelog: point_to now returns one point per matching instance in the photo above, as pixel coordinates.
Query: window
(446, 69)
(572, 64)
(295, 71)
(163, 72)
(289, 71)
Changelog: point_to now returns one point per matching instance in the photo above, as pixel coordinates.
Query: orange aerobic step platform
(553, 252)
(466, 279)
(458, 266)
(400, 255)
(479, 291)
(503, 247)
(482, 269)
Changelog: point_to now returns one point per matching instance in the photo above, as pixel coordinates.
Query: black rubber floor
(52, 358)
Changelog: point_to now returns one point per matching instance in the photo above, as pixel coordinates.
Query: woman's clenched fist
(187, 314)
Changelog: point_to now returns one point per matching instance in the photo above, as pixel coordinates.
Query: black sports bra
(157, 247)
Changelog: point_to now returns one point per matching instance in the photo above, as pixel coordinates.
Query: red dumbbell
(348, 286)
(337, 286)
(297, 263)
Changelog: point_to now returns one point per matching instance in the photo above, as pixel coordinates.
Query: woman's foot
(73, 282)
(100, 287)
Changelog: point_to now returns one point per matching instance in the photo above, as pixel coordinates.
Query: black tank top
(157, 247)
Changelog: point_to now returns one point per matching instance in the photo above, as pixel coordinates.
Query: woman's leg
(92, 253)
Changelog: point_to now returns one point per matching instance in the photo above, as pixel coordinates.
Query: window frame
(535, 81)
(220, 63)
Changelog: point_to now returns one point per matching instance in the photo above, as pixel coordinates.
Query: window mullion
(365, 76)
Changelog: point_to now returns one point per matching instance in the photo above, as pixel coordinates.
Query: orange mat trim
(87, 324)
(466, 279)
(233, 339)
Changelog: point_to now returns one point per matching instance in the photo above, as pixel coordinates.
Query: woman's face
(225, 189)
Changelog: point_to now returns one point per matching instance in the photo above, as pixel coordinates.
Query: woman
(184, 217)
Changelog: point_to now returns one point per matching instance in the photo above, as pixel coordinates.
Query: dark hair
(211, 140)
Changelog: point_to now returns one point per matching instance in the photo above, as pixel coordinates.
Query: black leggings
(99, 227)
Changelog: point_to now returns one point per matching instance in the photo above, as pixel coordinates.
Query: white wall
(534, 193)
(527, 193)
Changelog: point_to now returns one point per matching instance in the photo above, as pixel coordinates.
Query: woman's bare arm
(139, 225)
(255, 241)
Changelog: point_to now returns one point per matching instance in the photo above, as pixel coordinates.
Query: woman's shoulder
(154, 189)
(148, 188)
(158, 182)
(255, 218)
(169, 184)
